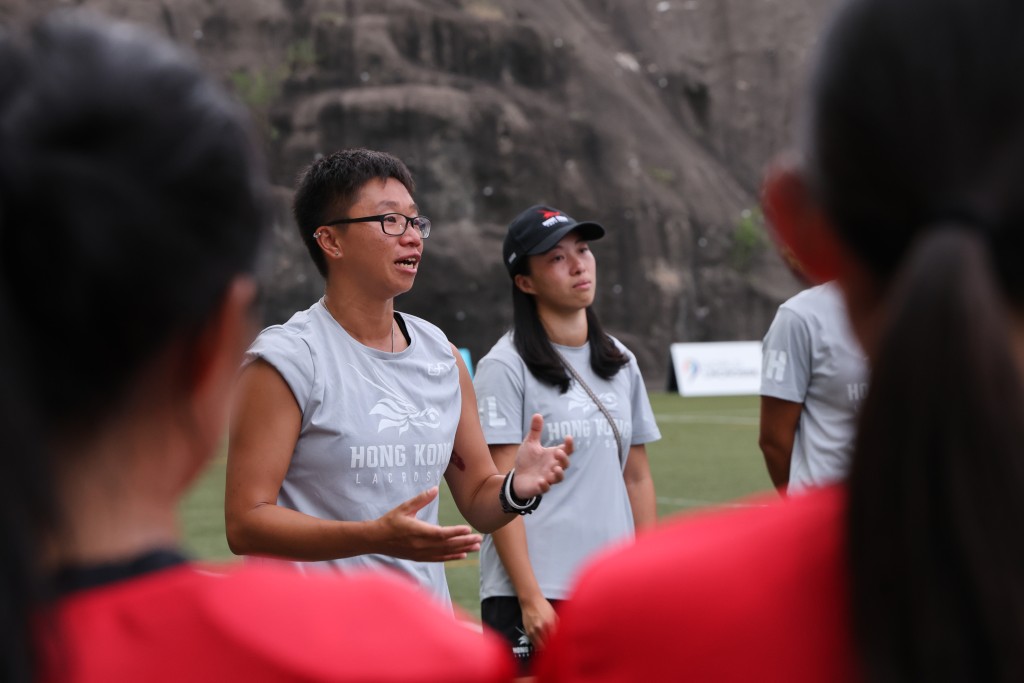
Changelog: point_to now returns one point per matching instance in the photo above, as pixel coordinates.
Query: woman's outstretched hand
(537, 466)
(402, 534)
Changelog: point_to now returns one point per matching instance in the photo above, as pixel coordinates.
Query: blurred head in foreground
(907, 191)
(130, 215)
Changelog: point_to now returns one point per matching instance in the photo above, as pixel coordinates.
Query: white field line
(709, 419)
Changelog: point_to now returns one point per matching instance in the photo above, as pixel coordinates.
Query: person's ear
(524, 283)
(802, 233)
(329, 242)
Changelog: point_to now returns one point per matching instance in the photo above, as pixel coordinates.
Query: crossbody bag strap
(595, 399)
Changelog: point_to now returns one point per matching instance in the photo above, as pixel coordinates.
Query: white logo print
(523, 646)
(397, 410)
(488, 408)
(436, 369)
(558, 218)
(775, 364)
(579, 398)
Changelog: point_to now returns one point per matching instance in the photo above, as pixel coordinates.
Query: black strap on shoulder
(402, 327)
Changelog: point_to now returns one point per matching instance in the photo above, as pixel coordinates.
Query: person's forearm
(513, 550)
(483, 509)
(273, 530)
(780, 420)
(640, 487)
(643, 502)
(280, 532)
(777, 460)
(538, 615)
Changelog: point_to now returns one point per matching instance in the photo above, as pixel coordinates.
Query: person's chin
(586, 295)
(405, 285)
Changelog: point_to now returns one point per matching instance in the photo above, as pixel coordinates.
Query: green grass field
(708, 454)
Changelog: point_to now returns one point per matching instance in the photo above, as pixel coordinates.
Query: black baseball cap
(537, 230)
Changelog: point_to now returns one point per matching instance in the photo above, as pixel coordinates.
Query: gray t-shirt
(590, 508)
(810, 356)
(377, 427)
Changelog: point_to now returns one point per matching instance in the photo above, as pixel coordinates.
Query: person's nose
(412, 237)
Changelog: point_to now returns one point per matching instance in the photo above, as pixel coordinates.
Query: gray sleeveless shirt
(377, 427)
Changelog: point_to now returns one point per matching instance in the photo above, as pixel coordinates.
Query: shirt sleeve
(499, 395)
(290, 355)
(786, 358)
(645, 429)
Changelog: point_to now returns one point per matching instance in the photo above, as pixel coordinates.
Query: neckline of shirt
(376, 353)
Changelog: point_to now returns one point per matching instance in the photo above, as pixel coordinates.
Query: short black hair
(330, 184)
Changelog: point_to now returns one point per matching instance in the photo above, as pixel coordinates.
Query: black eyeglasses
(394, 224)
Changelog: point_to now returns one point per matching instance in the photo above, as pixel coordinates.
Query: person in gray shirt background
(814, 377)
(559, 362)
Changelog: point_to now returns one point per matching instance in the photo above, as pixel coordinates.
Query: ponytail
(27, 506)
(937, 481)
(27, 515)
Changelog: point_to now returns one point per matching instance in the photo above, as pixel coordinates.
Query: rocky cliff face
(653, 117)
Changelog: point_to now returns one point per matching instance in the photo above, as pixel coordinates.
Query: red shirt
(747, 594)
(263, 624)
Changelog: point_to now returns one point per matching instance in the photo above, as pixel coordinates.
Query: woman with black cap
(559, 362)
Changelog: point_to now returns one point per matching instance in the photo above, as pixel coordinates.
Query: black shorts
(503, 615)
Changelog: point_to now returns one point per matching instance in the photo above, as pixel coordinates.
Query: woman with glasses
(350, 414)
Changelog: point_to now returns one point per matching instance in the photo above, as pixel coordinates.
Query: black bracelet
(511, 503)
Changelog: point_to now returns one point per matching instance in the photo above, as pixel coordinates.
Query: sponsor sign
(717, 368)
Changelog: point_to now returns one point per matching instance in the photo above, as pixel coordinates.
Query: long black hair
(130, 197)
(916, 152)
(534, 347)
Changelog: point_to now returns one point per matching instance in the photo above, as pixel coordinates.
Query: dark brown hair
(130, 198)
(916, 151)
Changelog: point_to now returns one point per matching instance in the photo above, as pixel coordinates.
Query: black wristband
(511, 503)
(511, 492)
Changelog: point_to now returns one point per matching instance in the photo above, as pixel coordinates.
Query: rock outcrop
(653, 117)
